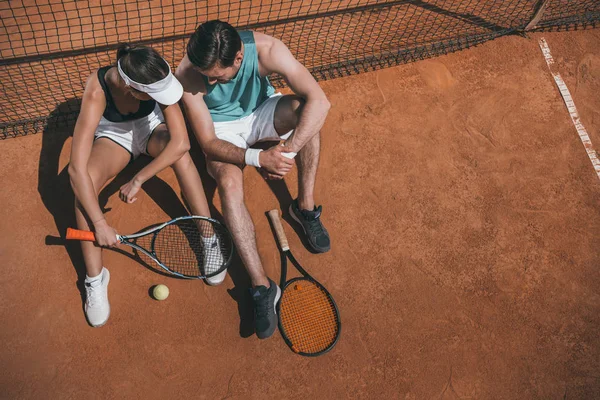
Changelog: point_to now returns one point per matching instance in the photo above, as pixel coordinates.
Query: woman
(127, 109)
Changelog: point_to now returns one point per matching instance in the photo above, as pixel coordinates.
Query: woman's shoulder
(93, 88)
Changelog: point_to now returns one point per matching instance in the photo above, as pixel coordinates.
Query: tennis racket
(188, 247)
(309, 320)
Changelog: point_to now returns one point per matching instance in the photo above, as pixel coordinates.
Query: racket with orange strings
(309, 320)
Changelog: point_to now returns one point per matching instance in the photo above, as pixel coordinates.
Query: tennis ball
(160, 292)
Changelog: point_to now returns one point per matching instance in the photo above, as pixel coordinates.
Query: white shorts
(256, 127)
(131, 135)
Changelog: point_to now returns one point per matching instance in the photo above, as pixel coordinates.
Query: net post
(539, 13)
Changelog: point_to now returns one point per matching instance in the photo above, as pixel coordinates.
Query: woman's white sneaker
(213, 260)
(97, 308)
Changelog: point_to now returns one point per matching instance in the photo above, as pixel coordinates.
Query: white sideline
(566, 95)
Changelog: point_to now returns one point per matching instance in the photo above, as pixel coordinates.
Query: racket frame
(285, 254)
(127, 240)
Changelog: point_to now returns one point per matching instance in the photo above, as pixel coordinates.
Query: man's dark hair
(142, 64)
(214, 43)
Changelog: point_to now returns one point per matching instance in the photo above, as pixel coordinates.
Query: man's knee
(288, 111)
(296, 107)
(230, 185)
(229, 181)
(296, 103)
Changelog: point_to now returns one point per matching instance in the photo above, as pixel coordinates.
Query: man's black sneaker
(265, 314)
(316, 234)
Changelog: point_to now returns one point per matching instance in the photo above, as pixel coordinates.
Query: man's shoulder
(263, 42)
(189, 78)
(267, 48)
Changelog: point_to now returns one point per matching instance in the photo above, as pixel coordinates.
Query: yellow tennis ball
(160, 292)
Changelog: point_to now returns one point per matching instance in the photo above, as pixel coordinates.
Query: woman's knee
(159, 139)
(184, 163)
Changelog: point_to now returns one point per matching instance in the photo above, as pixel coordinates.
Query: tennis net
(48, 48)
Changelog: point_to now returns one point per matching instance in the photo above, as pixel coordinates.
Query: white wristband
(251, 157)
(289, 154)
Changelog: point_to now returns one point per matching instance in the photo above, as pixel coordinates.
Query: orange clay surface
(464, 216)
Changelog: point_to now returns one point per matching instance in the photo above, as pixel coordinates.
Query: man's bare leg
(287, 114)
(265, 293)
(303, 210)
(308, 162)
(230, 181)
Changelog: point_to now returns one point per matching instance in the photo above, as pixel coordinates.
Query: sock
(97, 278)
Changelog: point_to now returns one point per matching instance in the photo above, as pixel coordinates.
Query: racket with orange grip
(309, 320)
(188, 247)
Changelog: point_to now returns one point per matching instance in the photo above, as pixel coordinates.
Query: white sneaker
(97, 308)
(213, 260)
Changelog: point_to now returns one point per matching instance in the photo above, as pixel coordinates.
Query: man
(231, 105)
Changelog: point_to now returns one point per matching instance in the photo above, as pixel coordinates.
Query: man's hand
(269, 176)
(274, 163)
(129, 190)
(106, 236)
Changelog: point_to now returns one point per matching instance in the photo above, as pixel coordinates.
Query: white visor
(167, 91)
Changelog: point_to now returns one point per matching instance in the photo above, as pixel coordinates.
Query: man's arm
(275, 57)
(200, 120)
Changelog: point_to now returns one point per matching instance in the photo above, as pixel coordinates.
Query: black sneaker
(317, 235)
(265, 314)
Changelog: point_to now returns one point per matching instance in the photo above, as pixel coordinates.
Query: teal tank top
(244, 93)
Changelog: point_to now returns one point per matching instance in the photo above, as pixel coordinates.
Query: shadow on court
(55, 190)
(240, 293)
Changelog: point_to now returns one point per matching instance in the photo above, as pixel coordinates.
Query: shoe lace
(262, 306)
(315, 226)
(93, 294)
(213, 258)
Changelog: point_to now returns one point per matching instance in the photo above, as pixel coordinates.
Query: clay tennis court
(464, 215)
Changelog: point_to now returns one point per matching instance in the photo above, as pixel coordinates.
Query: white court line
(566, 95)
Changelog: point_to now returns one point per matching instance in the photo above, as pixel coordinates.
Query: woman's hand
(129, 190)
(106, 236)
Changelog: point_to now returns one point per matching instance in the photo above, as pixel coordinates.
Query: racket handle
(283, 242)
(76, 234)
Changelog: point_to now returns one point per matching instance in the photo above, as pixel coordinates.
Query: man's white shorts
(131, 135)
(256, 127)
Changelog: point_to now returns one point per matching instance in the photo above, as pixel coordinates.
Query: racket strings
(193, 247)
(308, 317)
